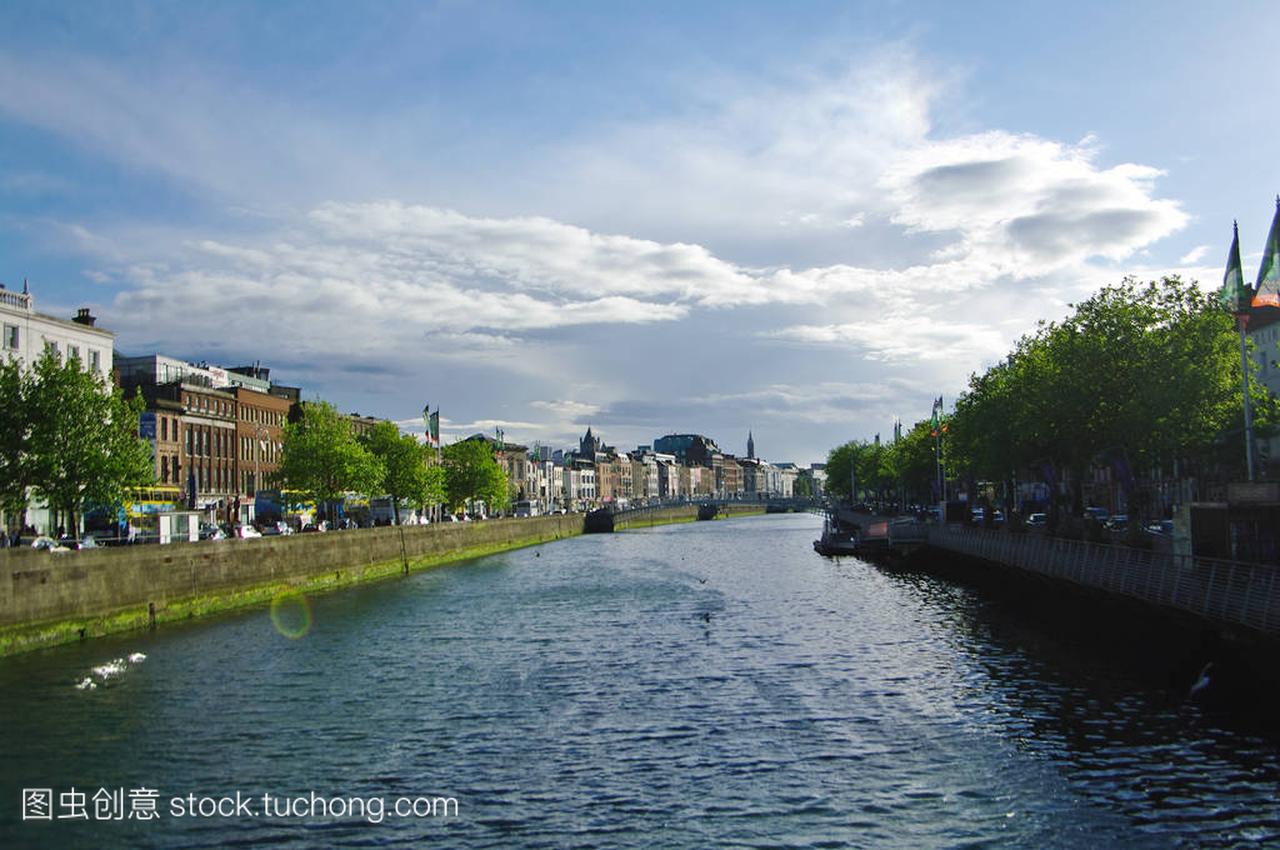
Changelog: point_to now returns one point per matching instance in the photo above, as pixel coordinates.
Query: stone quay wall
(71, 592)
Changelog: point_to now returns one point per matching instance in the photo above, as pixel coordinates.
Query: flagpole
(1238, 297)
(1242, 322)
(937, 448)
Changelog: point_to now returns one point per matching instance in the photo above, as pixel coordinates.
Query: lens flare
(291, 614)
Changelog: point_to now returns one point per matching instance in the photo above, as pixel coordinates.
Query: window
(164, 469)
(51, 346)
(164, 428)
(73, 352)
(11, 337)
(95, 361)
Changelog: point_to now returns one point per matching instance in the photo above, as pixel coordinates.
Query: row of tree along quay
(1130, 406)
(324, 459)
(70, 439)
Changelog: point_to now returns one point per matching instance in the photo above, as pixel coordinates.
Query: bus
(289, 506)
(136, 517)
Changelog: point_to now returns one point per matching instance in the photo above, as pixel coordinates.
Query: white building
(25, 335)
(159, 369)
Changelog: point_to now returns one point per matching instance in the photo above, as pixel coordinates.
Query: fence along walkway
(1226, 592)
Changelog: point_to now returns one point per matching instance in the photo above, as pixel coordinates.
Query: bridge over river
(611, 518)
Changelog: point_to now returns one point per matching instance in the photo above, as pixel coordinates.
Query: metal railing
(1231, 592)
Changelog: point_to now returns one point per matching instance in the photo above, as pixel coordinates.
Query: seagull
(702, 581)
(706, 616)
(137, 658)
(1201, 683)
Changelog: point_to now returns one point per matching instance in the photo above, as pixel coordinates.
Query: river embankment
(51, 598)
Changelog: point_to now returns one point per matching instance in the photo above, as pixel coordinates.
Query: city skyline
(798, 222)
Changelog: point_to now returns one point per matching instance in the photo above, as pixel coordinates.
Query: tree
(15, 441)
(1140, 376)
(322, 458)
(406, 469)
(473, 474)
(83, 444)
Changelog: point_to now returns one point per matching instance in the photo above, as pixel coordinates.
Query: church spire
(751, 446)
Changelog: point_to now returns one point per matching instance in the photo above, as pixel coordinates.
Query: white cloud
(1195, 255)
(1026, 206)
(834, 200)
(569, 410)
(904, 337)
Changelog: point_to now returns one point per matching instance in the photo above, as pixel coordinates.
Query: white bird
(137, 658)
(85, 684)
(1201, 683)
(112, 668)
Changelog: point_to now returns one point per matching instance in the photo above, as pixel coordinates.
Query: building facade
(25, 336)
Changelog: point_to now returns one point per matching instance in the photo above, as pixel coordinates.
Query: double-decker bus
(137, 516)
(283, 505)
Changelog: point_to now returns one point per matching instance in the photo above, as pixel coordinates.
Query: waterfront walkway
(1228, 593)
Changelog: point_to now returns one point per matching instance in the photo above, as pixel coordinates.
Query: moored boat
(836, 540)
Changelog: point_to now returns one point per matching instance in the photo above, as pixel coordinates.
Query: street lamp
(260, 436)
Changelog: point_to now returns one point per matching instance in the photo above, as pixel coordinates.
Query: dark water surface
(710, 684)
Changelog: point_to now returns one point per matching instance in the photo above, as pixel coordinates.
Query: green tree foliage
(407, 471)
(1147, 372)
(911, 463)
(472, 474)
(323, 459)
(868, 462)
(76, 438)
(16, 465)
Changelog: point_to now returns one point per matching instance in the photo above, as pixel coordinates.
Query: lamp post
(260, 434)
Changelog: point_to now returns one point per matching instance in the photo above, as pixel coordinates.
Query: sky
(799, 220)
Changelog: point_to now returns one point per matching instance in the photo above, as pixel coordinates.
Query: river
(698, 685)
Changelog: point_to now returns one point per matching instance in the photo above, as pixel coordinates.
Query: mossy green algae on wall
(48, 598)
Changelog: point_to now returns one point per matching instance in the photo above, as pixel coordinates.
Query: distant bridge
(606, 519)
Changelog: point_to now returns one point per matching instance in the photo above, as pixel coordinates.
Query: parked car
(212, 532)
(245, 532)
(1160, 528)
(1037, 520)
(1099, 514)
(1119, 522)
(48, 544)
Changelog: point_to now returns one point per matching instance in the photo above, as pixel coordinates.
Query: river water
(699, 685)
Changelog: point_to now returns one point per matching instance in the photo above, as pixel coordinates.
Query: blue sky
(802, 220)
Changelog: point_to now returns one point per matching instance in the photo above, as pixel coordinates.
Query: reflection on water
(696, 685)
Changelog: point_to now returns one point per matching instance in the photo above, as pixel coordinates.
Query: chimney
(84, 317)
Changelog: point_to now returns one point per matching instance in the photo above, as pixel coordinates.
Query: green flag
(1268, 289)
(1234, 294)
(433, 428)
